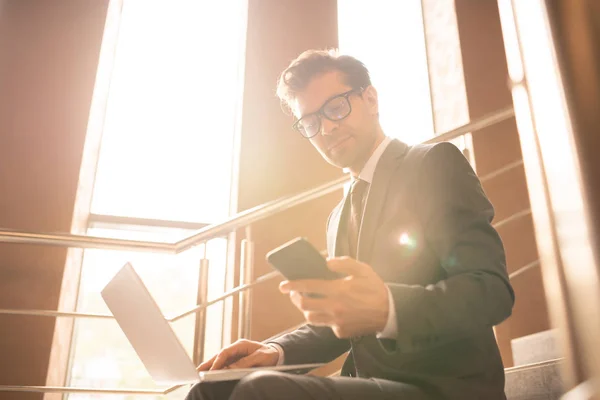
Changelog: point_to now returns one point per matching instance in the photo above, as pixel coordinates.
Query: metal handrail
(82, 241)
(524, 269)
(480, 123)
(500, 171)
(77, 390)
(241, 219)
(260, 279)
(47, 313)
(258, 213)
(263, 278)
(515, 216)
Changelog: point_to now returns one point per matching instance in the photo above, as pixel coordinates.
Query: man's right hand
(242, 354)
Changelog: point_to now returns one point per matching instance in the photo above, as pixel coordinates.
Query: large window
(165, 167)
(388, 36)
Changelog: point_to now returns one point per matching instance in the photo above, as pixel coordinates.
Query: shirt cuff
(279, 350)
(390, 331)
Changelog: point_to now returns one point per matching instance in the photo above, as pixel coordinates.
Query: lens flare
(404, 239)
(407, 241)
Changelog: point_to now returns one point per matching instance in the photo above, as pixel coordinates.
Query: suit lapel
(387, 165)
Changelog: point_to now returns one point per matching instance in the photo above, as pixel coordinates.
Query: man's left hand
(352, 306)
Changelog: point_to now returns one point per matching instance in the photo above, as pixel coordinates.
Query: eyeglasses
(335, 109)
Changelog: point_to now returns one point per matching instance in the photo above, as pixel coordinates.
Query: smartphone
(298, 259)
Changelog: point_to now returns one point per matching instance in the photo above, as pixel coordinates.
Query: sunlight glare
(398, 63)
(168, 135)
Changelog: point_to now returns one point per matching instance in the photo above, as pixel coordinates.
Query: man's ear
(370, 96)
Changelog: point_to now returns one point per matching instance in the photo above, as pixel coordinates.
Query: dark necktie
(358, 192)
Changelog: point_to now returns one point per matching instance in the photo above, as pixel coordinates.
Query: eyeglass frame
(322, 115)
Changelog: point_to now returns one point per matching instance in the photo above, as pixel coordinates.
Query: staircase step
(539, 381)
(536, 348)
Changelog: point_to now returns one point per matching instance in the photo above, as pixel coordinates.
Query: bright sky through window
(168, 133)
(388, 37)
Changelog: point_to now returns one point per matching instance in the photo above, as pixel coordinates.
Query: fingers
(322, 287)
(205, 366)
(224, 358)
(256, 359)
(342, 332)
(348, 266)
(319, 318)
(316, 311)
(242, 354)
(306, 303)
(231, 354)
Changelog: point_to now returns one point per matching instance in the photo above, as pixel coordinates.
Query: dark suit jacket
(427, 232)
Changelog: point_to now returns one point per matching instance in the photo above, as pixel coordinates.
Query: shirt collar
(366, 174)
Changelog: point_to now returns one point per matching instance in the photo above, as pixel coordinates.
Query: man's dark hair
(312, 63)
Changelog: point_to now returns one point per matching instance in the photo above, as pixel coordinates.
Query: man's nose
(328, 127)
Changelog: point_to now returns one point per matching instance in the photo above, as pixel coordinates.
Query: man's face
(349, 142)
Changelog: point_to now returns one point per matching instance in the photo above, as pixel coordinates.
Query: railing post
(245, 297)
(202, 298)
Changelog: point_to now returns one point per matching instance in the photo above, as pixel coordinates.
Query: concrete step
(536, 374)
(535, 348)
(539, 381)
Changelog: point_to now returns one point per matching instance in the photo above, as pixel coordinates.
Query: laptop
(155, 342)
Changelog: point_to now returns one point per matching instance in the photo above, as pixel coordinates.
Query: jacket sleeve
(456, 217)
(311, 344)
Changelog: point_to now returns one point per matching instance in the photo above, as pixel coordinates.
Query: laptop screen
(147, 330)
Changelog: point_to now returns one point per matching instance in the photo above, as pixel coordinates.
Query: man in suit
(425, 270)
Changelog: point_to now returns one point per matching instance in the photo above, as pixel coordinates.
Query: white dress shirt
(390, 330)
